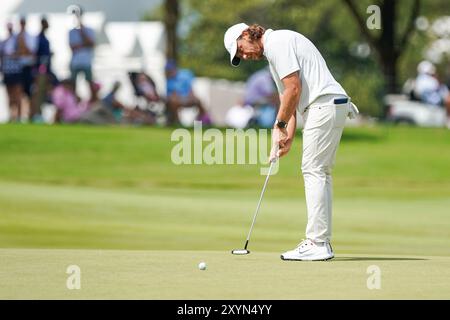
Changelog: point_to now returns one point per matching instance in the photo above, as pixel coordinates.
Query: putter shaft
(259, 203)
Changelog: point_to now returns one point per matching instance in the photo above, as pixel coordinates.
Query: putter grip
(277, 147)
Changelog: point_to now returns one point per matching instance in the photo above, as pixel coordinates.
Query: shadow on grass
(375, 259)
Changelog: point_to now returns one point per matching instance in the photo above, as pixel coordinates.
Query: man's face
(44, 24)
(248, 49)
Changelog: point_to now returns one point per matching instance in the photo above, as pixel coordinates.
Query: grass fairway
(111, 201)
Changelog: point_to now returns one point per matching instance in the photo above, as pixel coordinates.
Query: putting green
(74, 217)
(110, 200)
(116, 274)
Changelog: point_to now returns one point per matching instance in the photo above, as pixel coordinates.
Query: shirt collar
(265, 37)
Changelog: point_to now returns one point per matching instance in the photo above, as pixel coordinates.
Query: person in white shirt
(427, 86)
(306, 87)
(11, 68)
(26, 51)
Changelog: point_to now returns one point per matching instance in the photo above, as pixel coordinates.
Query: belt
(340, 101)
(324, 100)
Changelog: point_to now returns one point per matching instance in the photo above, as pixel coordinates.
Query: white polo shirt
(287, 52)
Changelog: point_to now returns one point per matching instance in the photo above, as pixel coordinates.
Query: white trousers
(323, 125)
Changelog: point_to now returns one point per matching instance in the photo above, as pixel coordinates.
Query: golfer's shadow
(375, 259)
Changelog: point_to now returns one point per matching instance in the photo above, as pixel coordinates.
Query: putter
(245, 251)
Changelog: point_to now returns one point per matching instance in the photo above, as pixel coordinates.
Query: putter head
(240, 251)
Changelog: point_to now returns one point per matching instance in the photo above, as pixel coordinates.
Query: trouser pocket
(340, 115)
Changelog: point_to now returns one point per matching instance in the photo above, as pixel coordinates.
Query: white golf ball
(202, 266)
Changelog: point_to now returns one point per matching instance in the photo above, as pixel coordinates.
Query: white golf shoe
(307, 250)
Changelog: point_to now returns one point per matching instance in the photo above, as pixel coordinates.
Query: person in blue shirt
(82, 43)
(42, 73)
(262, 95)
(180, 94)
(43, 53)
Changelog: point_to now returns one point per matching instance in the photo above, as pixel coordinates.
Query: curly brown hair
(255, 32)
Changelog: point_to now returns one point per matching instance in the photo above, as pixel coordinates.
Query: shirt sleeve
(284, 59)
(71, 38)
(32, 43)
(277, 81)
(91, 34)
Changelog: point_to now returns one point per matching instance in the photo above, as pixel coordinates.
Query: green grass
(174, 275)
(115, 188)
(378, 161)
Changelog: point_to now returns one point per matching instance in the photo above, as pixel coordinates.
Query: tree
(203, 50)
(171, 17)
(320, 20)
(388, 45)
(330, 26)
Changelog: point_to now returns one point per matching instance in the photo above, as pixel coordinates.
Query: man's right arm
(88, 41)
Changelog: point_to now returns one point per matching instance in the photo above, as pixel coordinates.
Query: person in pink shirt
(69, 107)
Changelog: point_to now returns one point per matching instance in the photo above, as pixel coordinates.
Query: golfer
(306, 87)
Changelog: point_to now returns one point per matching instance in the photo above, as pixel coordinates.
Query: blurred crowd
(259, 105)
(32, 86)
(26, 67)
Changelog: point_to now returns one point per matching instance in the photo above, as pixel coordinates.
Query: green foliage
(321, 21)
(328, 23)
(204, 44)
(157, 14)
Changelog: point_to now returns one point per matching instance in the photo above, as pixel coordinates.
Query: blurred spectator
(146, 87)
(12, 73)
(447, 76)
(69, 107)
(239, 116)
(180, 94)
(261, 94)
(260, 88)
(447, 101)
(26, 51)
(96, 113)
(43, 76)
(82, 42)
(427, 87)
(123, 114)
(111, 103)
